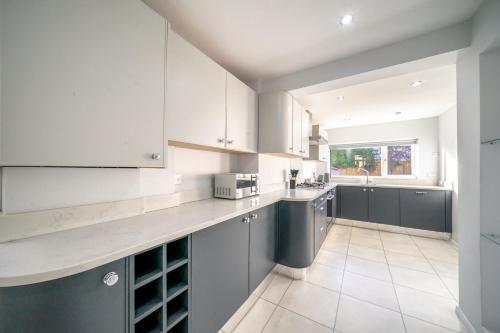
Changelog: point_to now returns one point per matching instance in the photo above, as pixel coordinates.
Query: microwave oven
(236, 185)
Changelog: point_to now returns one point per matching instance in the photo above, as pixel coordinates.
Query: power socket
(177, 179)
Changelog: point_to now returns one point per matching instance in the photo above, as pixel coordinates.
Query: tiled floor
(361, 281)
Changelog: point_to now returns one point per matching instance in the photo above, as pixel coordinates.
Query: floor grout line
(342, 283)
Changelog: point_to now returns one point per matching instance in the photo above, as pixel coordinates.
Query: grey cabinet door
(296, 233)
(383, 205)
(423, 209)
(320, 225)
(263, 233)
(219, 278)
(354, 203)
(80, 303)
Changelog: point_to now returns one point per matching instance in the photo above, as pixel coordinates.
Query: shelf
(176, 263)
(151, 324)
(176, 290)
(147, 278)
(491, 142)
(180, 327)
(176, 318)
(147, 265)
(148, 298)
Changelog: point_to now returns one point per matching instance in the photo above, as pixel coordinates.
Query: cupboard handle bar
(246, 219)
(420, 193)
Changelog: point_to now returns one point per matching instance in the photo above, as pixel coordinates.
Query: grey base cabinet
(80, 303)
(263, 234)
(423, 209)
(219, 273)
(383, 205)
(320, 222)
(354, 203)
(296, 234)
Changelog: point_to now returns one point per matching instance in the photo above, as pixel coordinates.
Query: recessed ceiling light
(347, 118)
(416, 83)
(346, 19)
(398, 113)
(340, 98)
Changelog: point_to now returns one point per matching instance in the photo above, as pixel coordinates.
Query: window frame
(384, 165)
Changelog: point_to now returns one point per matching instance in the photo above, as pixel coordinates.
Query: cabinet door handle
(321, 208)
(110, 279)
(156, 156)
(371, 190)
(290, 148)
(230, 142)
(364, 190)
(254, 216)
(420, 193)
(219, 140)
(246, 219)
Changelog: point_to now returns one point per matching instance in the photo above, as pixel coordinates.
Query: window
(382, 160)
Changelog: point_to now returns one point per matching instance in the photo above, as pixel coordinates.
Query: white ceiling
(378, 101)
(261, 39)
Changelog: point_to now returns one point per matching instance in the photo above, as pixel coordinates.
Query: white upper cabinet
(83, 84)
(297, 129)
(276, 123)
(242, 116)
(196, 95)
(305, 133)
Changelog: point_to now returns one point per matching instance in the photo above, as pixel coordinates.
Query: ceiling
(262, 39)
(378, 101)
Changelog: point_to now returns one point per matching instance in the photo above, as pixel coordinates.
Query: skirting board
(468, 326)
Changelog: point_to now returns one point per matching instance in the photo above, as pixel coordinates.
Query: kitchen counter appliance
(236, 185)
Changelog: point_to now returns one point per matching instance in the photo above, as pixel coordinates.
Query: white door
(196, 95)
(241, 116)
(306, 132)
(83, 84)
(297, 128)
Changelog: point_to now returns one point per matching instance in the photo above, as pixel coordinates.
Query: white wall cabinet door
(242, 116)
(196, 95)
(276, 123)
(297, 128)
(305, 133)
(83, 84)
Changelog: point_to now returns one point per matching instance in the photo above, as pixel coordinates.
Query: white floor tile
(313, 302)
(399, 246)
(264, 284)
(445, 269)
(370, 290)
(276, 288)
(410, 262)
(365, 233)
(434, 309)
(375, 243)
(448, 256)
(284, 321)
(368, 268)
(256, 318)
(332, 259)
(231, 324)
(452, 285)
(356, 316)
(433, 243)
(388, 236)
(335, 245)
(325, 276)
(366, 253)
(414, 325)
(430, 283)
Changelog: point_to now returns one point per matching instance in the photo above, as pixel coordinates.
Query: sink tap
(367, 174)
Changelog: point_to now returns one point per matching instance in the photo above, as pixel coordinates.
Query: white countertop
(60, 254)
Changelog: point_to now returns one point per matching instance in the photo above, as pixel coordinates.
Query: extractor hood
(318, 137)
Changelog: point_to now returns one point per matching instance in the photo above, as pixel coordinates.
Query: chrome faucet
(367, 174)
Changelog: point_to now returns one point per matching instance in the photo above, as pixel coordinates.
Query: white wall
(32, 189)
(425, 130)
(486, 32)
(448, 160)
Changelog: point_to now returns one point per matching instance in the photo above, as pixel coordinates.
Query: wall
(486, 32)
(33, 189)
(425, 130)
(449, 161)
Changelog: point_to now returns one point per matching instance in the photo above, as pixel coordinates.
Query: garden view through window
(387, 160)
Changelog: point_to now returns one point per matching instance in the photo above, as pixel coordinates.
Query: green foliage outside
(345, 158)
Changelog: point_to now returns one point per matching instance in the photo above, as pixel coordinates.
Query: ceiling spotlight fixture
(398, 113)
(347, 118)
(416, 83)
(340, 98)
(346, 19)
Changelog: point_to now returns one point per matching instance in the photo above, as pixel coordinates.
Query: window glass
(399, 160)
(347, 162)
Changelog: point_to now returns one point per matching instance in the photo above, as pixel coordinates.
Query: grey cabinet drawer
(384, 205)
(423, 209)
(80, 303)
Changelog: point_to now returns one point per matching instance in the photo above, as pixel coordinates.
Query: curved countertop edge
(64, 253)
